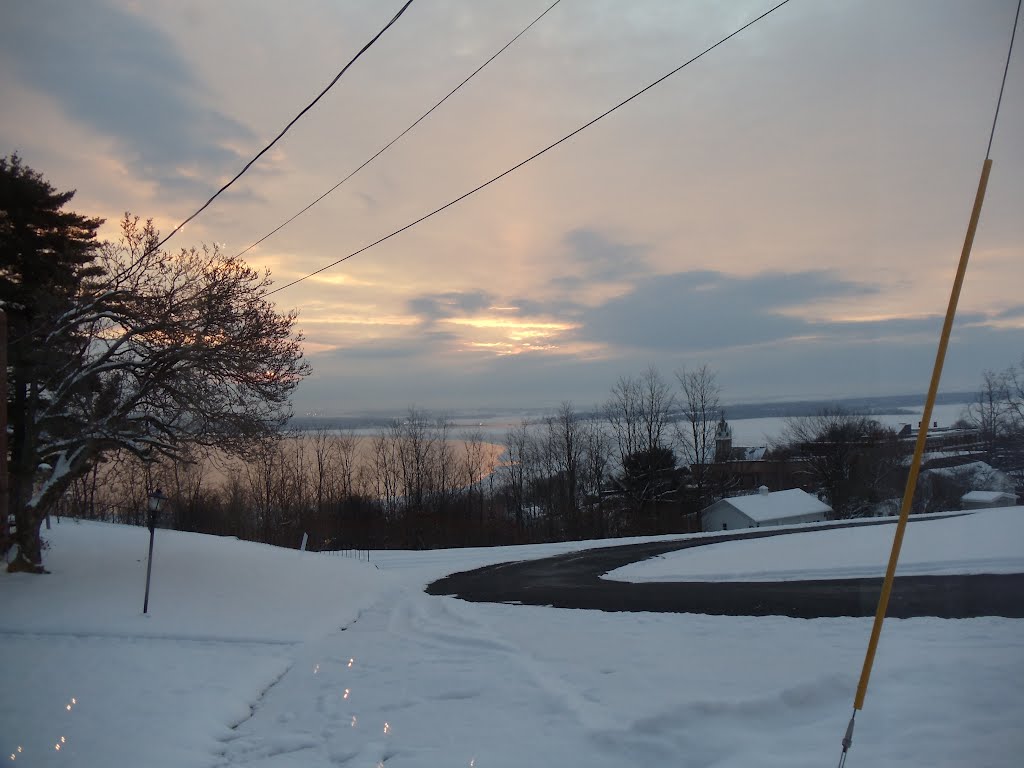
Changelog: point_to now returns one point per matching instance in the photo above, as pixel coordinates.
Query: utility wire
(1002, 86)
(294, 120)
(387, 146)
(532, 157)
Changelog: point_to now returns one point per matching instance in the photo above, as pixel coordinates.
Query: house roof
(763, 507)
(988, 496)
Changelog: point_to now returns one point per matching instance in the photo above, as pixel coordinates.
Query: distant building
(987, 499)
(764, 508)
(960, 439)
(723, 440)
(741, 468)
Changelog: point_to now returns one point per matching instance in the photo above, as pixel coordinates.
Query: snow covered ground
(256, 656)
(990, 541)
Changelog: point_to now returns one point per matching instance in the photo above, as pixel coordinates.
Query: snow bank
(255, 656)
(86, 671)
(987, 541)
(203, 587)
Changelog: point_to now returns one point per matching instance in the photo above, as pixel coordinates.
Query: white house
(764, 508)
(987, 499)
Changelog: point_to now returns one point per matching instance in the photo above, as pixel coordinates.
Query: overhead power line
(294, 120)
(1002, 85)
(387, 146)
(532, 157)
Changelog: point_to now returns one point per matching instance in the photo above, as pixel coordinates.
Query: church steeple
(723, 440)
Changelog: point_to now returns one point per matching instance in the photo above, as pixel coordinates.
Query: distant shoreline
(466, 420)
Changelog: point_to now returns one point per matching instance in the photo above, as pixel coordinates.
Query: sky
(788, 210)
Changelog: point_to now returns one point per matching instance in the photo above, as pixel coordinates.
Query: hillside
(258, 656)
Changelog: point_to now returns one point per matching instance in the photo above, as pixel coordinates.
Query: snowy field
(256, 656)
(991, 541)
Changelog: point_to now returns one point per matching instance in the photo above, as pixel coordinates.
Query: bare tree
(383, 474)
(595, 472)
(1015, 396)
(321, 443)
(415, 445)
(639, 413)
(344, 448)
(474, 466)
(701, 404)
(998, 415)
(991, 413)
(185, 484)
(264, 470)
(853, 460)
(162, 352)
(443, 466)
(515, 471)
(564, 443)
(597, 459)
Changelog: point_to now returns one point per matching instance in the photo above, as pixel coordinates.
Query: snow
(986, 497)
(768, 429)
(987, 541)
(203, 587)
(256, 656)
(778, 505)
(976, 473)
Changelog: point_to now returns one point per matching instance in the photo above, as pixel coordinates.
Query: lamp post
(156, 499)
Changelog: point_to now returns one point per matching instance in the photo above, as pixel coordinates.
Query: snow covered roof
(987, 496)
(975, 474)
(969, 467)
(763, 507)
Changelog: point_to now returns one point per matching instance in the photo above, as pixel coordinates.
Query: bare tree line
(416, 484)
(646, 461)
(619, 471)
(998, 415)
(341, 489)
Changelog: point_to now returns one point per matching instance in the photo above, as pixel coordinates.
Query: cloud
(562, 307)
(424, 345)
(810, 367)
(136, 88)
(754, 330)
(436, 306)
(595, 257)
(827, 368)
(1011, 313)
(708, 310)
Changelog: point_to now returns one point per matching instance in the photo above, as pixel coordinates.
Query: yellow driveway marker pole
(922, 437)
(922, 433)
(915, 465)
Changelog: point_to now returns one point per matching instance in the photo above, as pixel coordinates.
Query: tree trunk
(27, 520)
(30, 546)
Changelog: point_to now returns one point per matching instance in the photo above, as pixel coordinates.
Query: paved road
(573, 581)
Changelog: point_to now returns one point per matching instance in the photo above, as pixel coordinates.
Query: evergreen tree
(45, 253)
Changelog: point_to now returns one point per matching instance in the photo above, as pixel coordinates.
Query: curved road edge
(574, 581)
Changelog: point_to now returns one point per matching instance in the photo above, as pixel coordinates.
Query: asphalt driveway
(573, 581)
